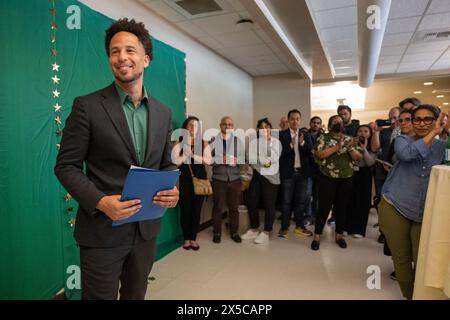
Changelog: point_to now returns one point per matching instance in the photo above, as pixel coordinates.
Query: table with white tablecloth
(433, 263)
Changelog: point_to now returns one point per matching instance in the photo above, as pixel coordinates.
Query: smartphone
(383, 123)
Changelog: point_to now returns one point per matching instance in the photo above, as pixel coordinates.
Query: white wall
(214, 86)
(275, 95)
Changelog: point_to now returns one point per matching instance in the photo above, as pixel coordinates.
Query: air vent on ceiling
(432, 35)
(195, 7)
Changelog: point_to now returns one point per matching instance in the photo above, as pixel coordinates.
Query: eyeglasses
(401, 120)
(425, 120)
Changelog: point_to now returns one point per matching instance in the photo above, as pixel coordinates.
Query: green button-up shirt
(340, 164)
(137, 119)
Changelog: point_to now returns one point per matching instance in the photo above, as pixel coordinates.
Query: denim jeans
(293, 199)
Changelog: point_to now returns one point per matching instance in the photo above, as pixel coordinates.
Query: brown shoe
(303, 232)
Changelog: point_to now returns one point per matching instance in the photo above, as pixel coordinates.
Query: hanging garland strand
(56, 106)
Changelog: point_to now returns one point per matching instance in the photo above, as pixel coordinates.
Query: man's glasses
(425, 120)
(405, 120)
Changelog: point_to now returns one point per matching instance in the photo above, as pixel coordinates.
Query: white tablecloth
(433, 262)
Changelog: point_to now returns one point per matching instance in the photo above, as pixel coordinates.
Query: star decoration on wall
(54, 26)
(58, 146)
(56, 94)
(54, 52)
(55, 79)
(57, 107)
(58, 120)
(68, 197)
(53, 39)
(53, 11)
(55, 67)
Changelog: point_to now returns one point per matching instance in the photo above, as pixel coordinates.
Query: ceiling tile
(251, 61)
(441, 64)
(435, 21)
(236, 4)
(246, 51)
(387, 68)
(239, 39)
(264, 37)
(396, 39)
(271, 68)
(421, 57)
(192, 29)
(336, 17)
(414, 66)
(446, 55)
(217, 25)
(210, 42)
(318, 5)
(402, 25)
(345, 63)
(333, 34)
(392, 50)
(439, 6)
(343, 55)
(407, 8)
(348, 44)
(440, 46)
(390, 59)
(164, 10)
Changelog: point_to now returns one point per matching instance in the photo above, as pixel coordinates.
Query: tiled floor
(283, 269)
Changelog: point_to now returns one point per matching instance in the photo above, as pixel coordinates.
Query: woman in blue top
(404, 192)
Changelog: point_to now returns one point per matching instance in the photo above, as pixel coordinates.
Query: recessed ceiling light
(440, 96)
(428, 83)
(417, 92)
(445, 103)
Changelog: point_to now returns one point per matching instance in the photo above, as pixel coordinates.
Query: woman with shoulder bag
(193, 181)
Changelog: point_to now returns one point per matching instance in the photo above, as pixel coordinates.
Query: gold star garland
(56, 107)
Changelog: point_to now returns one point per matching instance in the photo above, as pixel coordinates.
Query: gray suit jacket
(97, 135)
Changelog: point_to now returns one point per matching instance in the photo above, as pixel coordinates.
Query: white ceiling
(336, 22)
(247, 46)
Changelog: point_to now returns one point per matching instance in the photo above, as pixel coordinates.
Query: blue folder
(144, 184)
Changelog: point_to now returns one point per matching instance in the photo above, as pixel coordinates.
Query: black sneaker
(216, 238)
(393, 276)
(315, 245)
(236, 238)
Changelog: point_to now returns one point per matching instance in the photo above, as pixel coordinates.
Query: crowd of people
(322, 176)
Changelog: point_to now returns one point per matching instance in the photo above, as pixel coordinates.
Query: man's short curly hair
(136, 28)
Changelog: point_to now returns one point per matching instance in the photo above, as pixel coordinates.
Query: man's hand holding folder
(167, 198)
(142, 184)
(116, 209)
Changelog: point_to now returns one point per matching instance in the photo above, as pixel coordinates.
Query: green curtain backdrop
(36, 239)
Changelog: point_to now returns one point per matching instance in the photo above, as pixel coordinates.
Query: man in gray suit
(108, 131)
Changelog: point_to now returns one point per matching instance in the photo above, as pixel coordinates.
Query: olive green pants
(402, 236)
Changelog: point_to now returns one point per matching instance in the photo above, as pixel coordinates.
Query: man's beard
(132, 79)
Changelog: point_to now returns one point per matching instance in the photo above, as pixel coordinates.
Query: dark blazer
(287, 157)
(97, 135)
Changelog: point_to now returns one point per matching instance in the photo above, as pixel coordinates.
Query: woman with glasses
(404, 192)
(406, 128)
